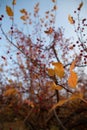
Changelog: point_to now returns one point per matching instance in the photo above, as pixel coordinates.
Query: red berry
(0, 18)
(74, 45)
(74, 11)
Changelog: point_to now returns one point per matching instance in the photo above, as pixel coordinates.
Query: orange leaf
(76, 96)
(10, 91)
(9, 11)
(72, 66)
(50, 72)
(50, 31)
(24, 17)
(72, 80)
(23, 11)
(55, 87)
(59, 69)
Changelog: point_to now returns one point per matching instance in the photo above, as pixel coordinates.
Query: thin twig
(58, 120)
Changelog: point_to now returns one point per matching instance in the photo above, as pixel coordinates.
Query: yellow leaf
(59, 69)
(55, 87)
(70, 19)
(72, 66)
(50, 72)
(72, 80)
(9, 11)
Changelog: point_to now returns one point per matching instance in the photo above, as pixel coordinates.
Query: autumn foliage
(44, 77)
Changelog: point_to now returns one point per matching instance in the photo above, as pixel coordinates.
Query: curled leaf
(9, 11)
(70, 19)
(49, 31)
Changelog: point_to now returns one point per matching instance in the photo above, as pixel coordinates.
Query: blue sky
(65, 7)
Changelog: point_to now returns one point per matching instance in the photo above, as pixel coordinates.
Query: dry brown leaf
(80, 5)
(53, 1)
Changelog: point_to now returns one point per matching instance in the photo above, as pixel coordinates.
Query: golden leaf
(50, 72)
(55, 87)
(24, 18)
(9, 11)
(72, 66)
(59, 69)
(76, 96)
(23, 11)
(10, 91)
(70, 19)
(72, 80)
